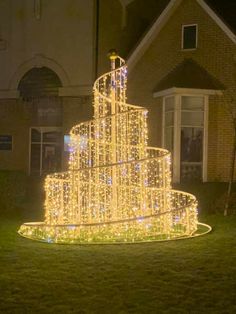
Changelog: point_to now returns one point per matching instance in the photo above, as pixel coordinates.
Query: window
(189, 37)
(191, 150)
(45, 150)
(184, 135)
(67, 142)
(6, 142)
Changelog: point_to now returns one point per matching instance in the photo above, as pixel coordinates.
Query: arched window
(185, 134)
(39, 88)
(39, 82)
(39, 92)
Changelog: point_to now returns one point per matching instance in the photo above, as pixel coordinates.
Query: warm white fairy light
(117, 189)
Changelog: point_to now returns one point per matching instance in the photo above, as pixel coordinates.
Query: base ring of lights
(139, 229)
(38, 231)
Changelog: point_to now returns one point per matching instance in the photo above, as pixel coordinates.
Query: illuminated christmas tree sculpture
(117, 189)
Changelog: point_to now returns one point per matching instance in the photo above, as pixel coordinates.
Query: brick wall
(215, 53)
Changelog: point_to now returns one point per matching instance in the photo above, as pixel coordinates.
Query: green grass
(187, 276)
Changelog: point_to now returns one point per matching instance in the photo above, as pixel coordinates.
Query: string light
(117, 189)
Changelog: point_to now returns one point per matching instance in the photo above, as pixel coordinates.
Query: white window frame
(42, 129)
(182, 37)
(177, 132)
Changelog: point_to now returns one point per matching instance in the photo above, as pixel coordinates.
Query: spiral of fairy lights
(117, 189)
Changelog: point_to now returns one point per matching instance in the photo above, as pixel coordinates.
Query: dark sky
(226, 10)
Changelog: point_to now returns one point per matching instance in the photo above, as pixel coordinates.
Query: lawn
(187, 276)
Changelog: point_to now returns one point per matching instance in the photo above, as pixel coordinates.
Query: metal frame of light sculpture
(117, 189)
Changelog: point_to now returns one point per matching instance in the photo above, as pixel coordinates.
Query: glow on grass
(117, 189)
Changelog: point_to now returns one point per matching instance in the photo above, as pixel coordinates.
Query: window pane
(192, 103)
(192, 118)
(5, 142)
(169, 103)
(169, 139)
(35, 135)
(189, 37)
(191, 144)
(5, 138)
(45, 150)
(51, 158)
(191, 171)
(52, 137)
(169, 118)
(5, 146)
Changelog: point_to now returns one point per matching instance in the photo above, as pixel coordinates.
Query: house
(181, 69)
(181, 63)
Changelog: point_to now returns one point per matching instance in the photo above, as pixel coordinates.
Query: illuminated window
(184, 134)
(6, 142)
(189, 37)
(45, 150)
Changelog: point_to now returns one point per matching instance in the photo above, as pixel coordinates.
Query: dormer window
(189, 36)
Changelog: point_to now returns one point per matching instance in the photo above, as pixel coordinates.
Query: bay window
(185, 135)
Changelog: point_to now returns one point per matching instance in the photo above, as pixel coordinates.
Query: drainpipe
(96, 3)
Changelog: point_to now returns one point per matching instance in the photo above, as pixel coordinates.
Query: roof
(226, 10)
(140, 17)
(221, 11)
(189, 74)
